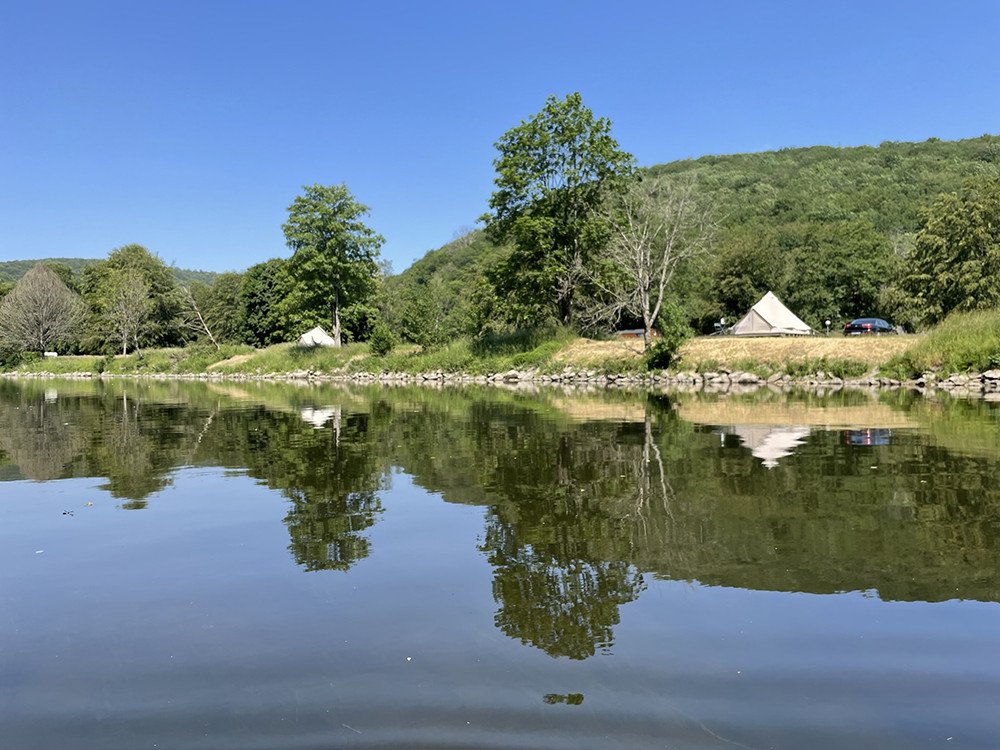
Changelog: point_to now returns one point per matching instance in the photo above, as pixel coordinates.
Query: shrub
(382, 340)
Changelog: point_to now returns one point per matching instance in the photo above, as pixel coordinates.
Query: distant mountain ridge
(13, 270)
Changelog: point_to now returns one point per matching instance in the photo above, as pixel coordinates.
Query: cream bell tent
(770, 318)
(316, 337)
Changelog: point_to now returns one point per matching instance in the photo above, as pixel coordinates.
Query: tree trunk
(335, 309)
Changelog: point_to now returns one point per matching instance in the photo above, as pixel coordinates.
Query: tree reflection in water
(584, 496)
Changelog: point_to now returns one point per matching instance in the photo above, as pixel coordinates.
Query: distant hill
(887, 185)
(13, 270)
(782, 195)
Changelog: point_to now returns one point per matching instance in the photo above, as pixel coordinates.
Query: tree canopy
(553, 173)
(142, 290)
(956, 258)
(335, 259)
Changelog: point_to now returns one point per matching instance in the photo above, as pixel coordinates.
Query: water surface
(250, 566)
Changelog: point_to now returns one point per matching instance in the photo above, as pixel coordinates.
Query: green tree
(262, 290)
(125, 270)
(335, 259)
(836, 271)
(216, 309)
(554, 172)
(747, 266)
(955, 264)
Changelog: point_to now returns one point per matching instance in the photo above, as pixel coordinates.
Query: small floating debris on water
(90, 505)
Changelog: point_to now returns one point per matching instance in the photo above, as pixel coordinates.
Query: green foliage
(15, 269)
(261, 290)
(221, 306)
(521, 340)
(73, 267)
(962, 342)
(836, 271)
(956, 258)
(674, 331)
(382, 340)
(335, 258)
(806, 219)
(102, 364)
(748, 264)
(127, 268)
(553, 173)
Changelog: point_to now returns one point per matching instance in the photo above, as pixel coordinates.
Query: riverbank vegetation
(965, 342)
(579, 241)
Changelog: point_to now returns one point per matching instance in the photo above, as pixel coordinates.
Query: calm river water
(246, 566)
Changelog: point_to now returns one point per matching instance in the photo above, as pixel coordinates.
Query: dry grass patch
(729, 350)
(584, 352)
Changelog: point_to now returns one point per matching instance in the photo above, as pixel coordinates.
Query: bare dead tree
(41, 312)
(127, 308)
(656, 227)
(193, 319)
(465, 235)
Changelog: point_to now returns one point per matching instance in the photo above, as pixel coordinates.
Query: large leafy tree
(554, 171)
(261, 292)
(335, 259)
(40, 313)
(836, 271)
(117, 281)
(955, 264)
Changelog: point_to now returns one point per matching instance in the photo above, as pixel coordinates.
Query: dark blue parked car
(867, 325)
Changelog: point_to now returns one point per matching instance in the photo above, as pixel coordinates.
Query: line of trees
(577, 236)
(132, 299)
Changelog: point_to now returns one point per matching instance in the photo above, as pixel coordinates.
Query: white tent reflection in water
(770, 443)
(318, 416)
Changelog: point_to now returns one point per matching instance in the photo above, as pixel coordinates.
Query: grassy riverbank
(964, 342)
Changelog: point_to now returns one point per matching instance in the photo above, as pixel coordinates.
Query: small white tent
(770, 318)
(316, 337)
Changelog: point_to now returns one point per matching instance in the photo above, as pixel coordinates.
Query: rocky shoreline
(722, 381)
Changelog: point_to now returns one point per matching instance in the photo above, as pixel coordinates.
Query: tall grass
(291, 358)
(963, 342)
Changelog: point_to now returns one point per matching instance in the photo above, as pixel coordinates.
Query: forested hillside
(14, 270)
(829, 230)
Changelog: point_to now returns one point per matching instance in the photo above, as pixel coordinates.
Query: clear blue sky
(189, 127)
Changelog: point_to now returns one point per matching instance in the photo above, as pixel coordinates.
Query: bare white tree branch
(657, 226)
